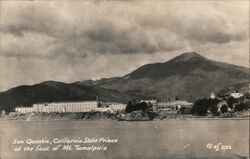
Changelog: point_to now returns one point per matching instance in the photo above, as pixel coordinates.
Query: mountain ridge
(180, 75)
(189, 76)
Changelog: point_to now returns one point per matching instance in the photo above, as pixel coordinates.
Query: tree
(200, 107)
(247, 95)
(134, 102)
(150, 106)
(213, 104)
(99, 105)
(214, 109)
(176, 107)
(240, 106)
(128, 107)
(224, 108)
(183, 110)
(231, 101)
(134, 107)
(247, 104)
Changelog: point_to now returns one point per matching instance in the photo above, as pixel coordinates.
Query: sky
(71, 41)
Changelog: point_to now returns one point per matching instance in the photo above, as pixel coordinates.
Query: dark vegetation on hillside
(139, 111)
(189, 76)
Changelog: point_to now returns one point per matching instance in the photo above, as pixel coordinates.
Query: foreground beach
(152, 139)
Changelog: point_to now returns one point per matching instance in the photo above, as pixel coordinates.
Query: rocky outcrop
(60, 116)
(139, 115)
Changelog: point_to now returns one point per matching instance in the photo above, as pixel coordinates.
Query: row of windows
(73, 104)
(67, 104)
(118, 106)
(24, 110)
(65, 108)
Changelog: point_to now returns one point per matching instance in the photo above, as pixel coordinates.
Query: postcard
(124, 79)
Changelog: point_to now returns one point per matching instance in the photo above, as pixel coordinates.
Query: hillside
(189, 76)
(51, 91)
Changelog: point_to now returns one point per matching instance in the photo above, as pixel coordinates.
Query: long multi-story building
(24, 110)
(80, 106)
(114, 105)
(87, 106)
(117, 106)
(168, 104)
(173, 104)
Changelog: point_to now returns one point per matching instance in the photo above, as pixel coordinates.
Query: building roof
(181, 102)
(69, 102)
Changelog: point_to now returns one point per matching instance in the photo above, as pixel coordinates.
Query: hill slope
(189, 76)
(51, 91)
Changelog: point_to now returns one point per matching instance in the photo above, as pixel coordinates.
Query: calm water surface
(153, 139)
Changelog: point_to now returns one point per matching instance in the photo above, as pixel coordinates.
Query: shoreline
(107, 116)
(170, 119)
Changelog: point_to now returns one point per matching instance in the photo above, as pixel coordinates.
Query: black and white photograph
(124, 79)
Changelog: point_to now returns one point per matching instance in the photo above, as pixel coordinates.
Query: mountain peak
(188, 55)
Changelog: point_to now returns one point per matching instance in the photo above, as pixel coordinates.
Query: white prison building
(117, 106)
(24, 110)
(173, 104)
(80, 106)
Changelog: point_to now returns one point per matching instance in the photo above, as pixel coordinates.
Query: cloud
(214, 29)
(61, 40)
(82, 28)
(28, 45)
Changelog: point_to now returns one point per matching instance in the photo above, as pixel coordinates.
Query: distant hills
(52, 91)
(189, 76)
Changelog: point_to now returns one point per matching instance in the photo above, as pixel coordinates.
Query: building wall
(104, 109)
(82, 106)
(24, 109)
(40, 107)
(172, 104)
(153, 102)
(236, 95)
(114, 105)
(118, 106)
